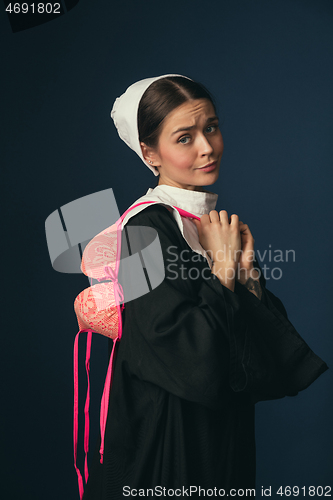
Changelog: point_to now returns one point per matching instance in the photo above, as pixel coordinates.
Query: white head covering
(125, 115)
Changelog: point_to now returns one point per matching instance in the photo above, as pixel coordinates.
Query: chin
(210, 178)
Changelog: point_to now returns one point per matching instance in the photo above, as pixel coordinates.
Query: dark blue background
(269, 65)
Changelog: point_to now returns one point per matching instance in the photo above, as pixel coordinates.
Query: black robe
(193, 360)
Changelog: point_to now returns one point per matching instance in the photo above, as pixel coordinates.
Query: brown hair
(162, 97)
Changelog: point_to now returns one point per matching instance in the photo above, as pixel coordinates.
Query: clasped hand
(229, 243)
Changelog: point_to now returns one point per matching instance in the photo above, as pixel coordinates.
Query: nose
(205, 148)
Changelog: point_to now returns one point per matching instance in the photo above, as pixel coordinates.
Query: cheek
(220, 143)
(179, 159)
(184, 160)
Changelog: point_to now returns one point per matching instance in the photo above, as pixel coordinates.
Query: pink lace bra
(98, 309)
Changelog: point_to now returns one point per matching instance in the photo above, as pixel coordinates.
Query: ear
(150, 155)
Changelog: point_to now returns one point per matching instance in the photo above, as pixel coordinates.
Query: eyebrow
(183, 129)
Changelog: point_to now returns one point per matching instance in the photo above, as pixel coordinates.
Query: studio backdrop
(268, 65)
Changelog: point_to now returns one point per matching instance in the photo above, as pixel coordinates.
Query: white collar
(195, 202)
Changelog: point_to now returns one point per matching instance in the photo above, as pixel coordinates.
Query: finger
(244, 228)
(233, 219)
(204, 219)
(204, 216)
(214, 216)
(224, 217)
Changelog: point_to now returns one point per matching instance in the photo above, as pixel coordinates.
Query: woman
(201, 348)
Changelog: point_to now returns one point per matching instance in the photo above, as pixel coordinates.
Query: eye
(183, 139)
(211, 128)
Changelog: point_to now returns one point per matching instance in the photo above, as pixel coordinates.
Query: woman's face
(190, 140)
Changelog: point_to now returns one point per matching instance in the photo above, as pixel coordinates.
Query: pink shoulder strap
(109, 375)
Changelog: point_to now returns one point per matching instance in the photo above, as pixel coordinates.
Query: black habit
(193, 360)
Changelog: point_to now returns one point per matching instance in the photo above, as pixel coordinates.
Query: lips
(209, 167)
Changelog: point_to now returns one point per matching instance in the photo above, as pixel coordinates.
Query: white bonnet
(125, 115)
